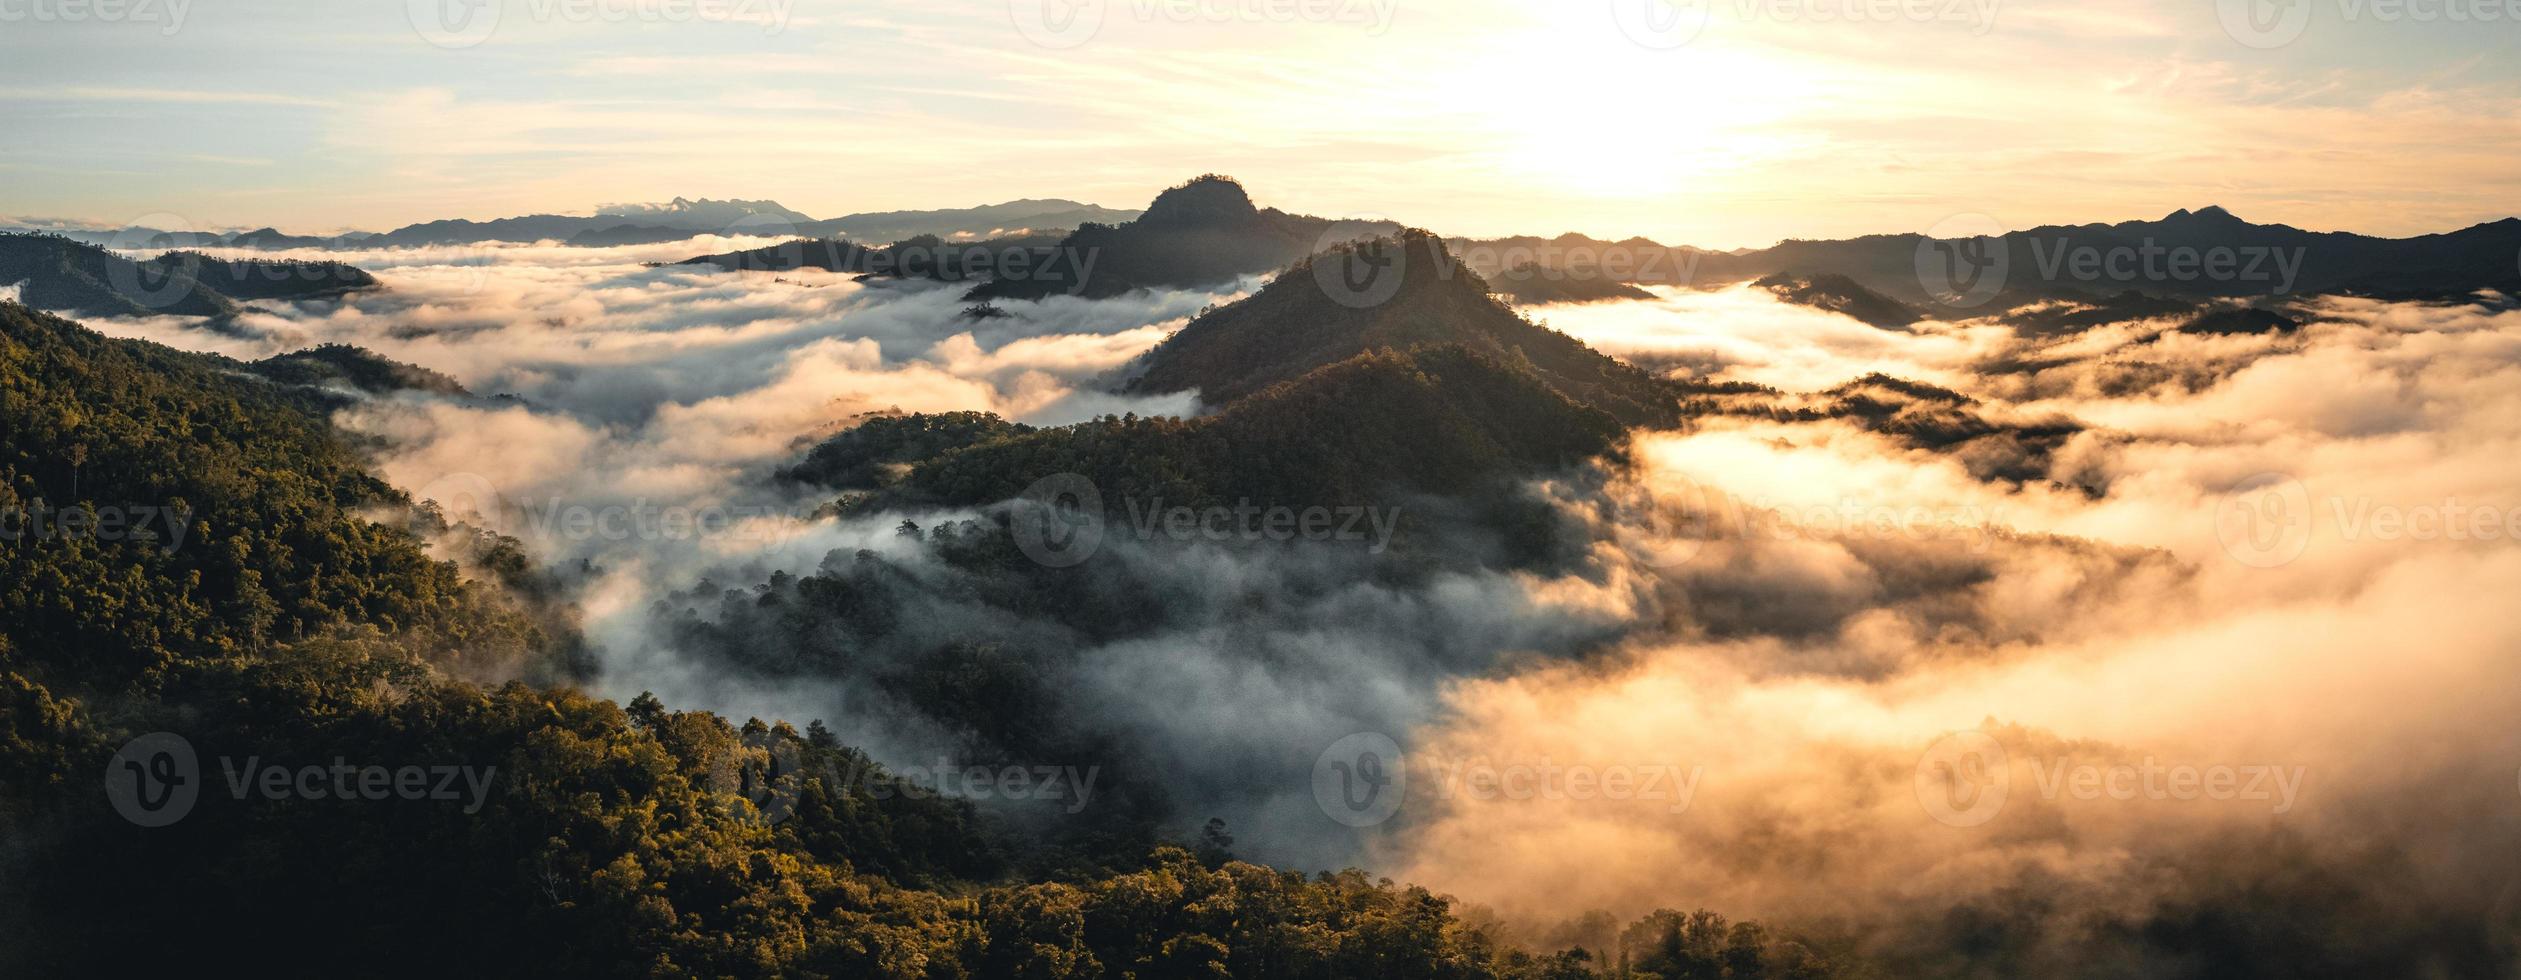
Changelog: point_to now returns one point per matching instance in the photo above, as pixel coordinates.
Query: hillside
(1437, 419)
(272, 545)
(58, 273)
(1533, 284)
(1839, 294)
(1304, 320)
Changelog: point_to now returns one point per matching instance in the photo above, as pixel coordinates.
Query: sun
(1589, 113)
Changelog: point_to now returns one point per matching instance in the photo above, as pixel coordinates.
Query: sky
(1721, 123)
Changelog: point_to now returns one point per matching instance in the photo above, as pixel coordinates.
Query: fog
(2241, 650)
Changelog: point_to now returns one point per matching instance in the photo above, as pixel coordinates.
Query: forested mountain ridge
(1314, 314)
(267, 549)
(1445, 418)
(58, 273)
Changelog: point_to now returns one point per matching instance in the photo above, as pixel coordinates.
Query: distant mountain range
(2203, 254)
(637, 224)
(1208, 232)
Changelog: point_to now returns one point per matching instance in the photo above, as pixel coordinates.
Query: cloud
(2239, 659)
(1812, 669)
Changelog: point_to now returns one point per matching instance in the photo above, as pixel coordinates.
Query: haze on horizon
(1724, 124)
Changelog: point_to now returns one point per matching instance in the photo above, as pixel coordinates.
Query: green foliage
(353, 367)
(280, 279)
(1353, 433)
(242, 519)
(863, 456)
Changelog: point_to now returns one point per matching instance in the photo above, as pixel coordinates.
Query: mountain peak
(2210, 214)
(1344, 302)
(1205, 198)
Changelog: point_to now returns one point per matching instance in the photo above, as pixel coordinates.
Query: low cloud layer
(2237, 659)
(2263, 682)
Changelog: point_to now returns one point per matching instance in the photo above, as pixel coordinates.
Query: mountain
(649, 224)
(1838, 294)
(2241, 320)
(57, 273)
(2207, 253)
(926, 257)
(1533, 284)
(344, 366)
(272, 279)
(2077, 275)
(1010, 219)
(1305, 319)
(279, 546)
(1206, 232)
(703, 214)
(273, 239)
(1919, 415)
(864, 455)
(1361, 431)
(2064, 317)
(682, 214)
